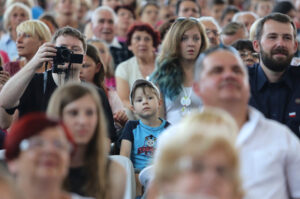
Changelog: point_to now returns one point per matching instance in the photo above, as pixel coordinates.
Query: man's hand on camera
(45, 53)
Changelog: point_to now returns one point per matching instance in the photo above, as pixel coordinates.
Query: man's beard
(278, 65)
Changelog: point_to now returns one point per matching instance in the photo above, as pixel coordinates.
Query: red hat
(30, 125)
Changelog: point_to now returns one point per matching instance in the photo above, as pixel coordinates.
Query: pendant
(185, 101)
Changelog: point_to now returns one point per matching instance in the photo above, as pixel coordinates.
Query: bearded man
(275, 85)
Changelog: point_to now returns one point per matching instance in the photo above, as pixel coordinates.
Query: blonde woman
(91, 172)
(198, 159)
(31, 34)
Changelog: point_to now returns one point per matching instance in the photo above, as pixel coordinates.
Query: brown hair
(95, 158)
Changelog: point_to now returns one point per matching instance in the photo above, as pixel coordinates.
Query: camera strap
(45, 78)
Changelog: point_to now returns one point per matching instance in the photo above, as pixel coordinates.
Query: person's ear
(295, 46)
(160, 102)
(256, 45)
(98, 67)
(132, 108)
(196, 89)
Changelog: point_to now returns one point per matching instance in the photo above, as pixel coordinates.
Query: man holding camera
(28, 92)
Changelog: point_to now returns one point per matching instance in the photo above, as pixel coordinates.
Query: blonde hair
(171, 43)
(196, 135)
(95, 159)
(28, 3)
(35, 27)
(10, 9)
(252, 30)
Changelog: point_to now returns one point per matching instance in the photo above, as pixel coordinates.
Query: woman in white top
(185, 40)
(142, 41)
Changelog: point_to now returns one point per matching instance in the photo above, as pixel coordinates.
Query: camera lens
(65, 54)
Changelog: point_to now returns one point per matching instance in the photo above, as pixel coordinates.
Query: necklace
(185, 100)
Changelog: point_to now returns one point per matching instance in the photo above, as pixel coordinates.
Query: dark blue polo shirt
(280, 100)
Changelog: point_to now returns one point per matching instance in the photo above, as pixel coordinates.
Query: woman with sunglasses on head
(91, 172)
(185, 40)
(38, 153)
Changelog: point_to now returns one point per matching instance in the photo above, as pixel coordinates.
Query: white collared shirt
(269, 157)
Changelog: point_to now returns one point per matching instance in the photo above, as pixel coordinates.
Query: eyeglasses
(214, 32)
(187, 18)
(38, 143)
(198, 167)
(245, 54)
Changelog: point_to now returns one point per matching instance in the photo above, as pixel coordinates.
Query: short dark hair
(143, 27)
(179, 3)
(211, 3)
(283, 7)
(148, 3)
(281, 18)
(227, 10)
(126, 7)
(199, 62)
(70, 32)
(243, 44)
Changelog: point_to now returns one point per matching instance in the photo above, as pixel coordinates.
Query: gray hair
(10, 9)
(199, 62)
(212, 20)
(100, 9)
(238, 14)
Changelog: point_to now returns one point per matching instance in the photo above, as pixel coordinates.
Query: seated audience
(263, 7)
(143, 41)
(212, 30)
(233, 32)
(216, 8)
(285, 7)
(125, 18)
(31, 34)
(108, 63)
(139, 137)
(66, 14)
(246, 18)
(28, 92)
(103, 27)
(93, 72)
(197, 159)
(246, 51)
(15, 14)
(188, 8)
(91, 172)
(227, 15)
(184, 42)
(149, 13)
(38, 151)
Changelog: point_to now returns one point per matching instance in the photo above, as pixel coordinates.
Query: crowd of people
(130, 99)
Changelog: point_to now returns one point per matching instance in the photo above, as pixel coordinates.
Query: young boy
(138, 140)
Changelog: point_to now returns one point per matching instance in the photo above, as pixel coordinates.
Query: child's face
(145, 103)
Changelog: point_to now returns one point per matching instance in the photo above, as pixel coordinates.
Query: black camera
(64, 55)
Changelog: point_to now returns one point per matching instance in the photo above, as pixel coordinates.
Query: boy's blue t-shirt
(143, 139)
